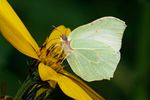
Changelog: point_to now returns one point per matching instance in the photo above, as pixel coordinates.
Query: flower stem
(26, 85)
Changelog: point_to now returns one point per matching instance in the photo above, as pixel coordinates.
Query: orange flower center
(52, 56)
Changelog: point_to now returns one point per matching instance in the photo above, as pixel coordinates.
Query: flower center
(52, 56)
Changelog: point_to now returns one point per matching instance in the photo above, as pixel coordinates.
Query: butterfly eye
(64, 37)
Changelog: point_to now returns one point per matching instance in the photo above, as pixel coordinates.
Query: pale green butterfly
(93, 49)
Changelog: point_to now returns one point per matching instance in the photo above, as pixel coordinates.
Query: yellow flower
(49, 56)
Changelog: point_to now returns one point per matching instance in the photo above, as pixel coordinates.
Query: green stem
(23, 89)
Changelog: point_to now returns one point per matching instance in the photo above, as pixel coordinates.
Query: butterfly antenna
(58, 30)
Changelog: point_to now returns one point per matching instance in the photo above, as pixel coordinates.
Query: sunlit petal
(56, 35)
(15, 32)
(85, 87)
(68, 86)
(46, 73)
(71, 89)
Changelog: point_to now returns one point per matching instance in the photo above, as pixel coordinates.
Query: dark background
(131, 79)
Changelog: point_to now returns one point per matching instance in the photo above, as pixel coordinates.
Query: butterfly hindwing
(94, 64)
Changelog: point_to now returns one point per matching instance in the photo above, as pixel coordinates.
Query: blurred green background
(131, 79)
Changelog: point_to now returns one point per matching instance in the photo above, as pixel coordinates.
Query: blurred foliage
(131, 80)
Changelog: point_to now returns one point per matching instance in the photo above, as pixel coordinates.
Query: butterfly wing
(94, 64)
(95, 53)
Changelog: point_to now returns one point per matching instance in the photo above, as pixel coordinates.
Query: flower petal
(47, 73)
(15, 32)
(71, 89)
(55, 36)
(87, 89)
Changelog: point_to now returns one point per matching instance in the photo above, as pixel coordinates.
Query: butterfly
(93, 49)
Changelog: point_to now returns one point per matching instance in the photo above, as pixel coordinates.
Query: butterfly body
(66, 44)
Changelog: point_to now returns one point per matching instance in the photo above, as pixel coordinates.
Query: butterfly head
(66, 44)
